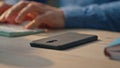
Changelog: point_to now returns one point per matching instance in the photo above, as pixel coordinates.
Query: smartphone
(64, 41)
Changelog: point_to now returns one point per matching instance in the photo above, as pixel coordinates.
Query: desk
(17, 53)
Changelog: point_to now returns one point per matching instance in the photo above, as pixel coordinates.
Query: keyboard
(11, 30)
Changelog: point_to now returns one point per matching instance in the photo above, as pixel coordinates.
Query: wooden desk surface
(17, 53)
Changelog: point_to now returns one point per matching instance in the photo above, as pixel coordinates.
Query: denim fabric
(94, 14)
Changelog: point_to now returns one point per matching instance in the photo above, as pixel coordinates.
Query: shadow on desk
(20, 55)
(27, 61)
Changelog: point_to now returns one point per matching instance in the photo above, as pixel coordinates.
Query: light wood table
(17, 53)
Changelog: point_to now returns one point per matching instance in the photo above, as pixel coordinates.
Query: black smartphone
(64, 41)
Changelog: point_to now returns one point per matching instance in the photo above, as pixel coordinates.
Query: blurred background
(51, 2)
(55, 3)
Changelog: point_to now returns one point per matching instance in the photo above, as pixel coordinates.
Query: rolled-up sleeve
(104, 16)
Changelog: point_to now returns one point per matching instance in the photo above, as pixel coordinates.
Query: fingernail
(27, 27)
(1, 20)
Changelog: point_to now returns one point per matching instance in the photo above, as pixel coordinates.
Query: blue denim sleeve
(105, 16)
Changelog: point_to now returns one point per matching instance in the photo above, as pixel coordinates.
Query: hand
(3, 8)
(41, 15)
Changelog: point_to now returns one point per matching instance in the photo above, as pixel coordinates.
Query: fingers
(42, 21)
(2, 17)
(33, 9)
(3, 7)
(29, 10)
(16, 8)
(22, 11)
(43, 16)
(13, 11)
(38, 21)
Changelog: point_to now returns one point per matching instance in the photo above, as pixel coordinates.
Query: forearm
(105, 16)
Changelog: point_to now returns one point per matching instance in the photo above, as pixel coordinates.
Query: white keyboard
(12, 28)
(16, 30)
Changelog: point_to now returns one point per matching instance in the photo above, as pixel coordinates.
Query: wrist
(62, 18)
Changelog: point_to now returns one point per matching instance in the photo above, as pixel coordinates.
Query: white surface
(17, 30)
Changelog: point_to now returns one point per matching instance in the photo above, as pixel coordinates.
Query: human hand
(41, 15)
(3, 8)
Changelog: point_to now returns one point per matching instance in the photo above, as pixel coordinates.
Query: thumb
(41, 21)
(35, 23)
